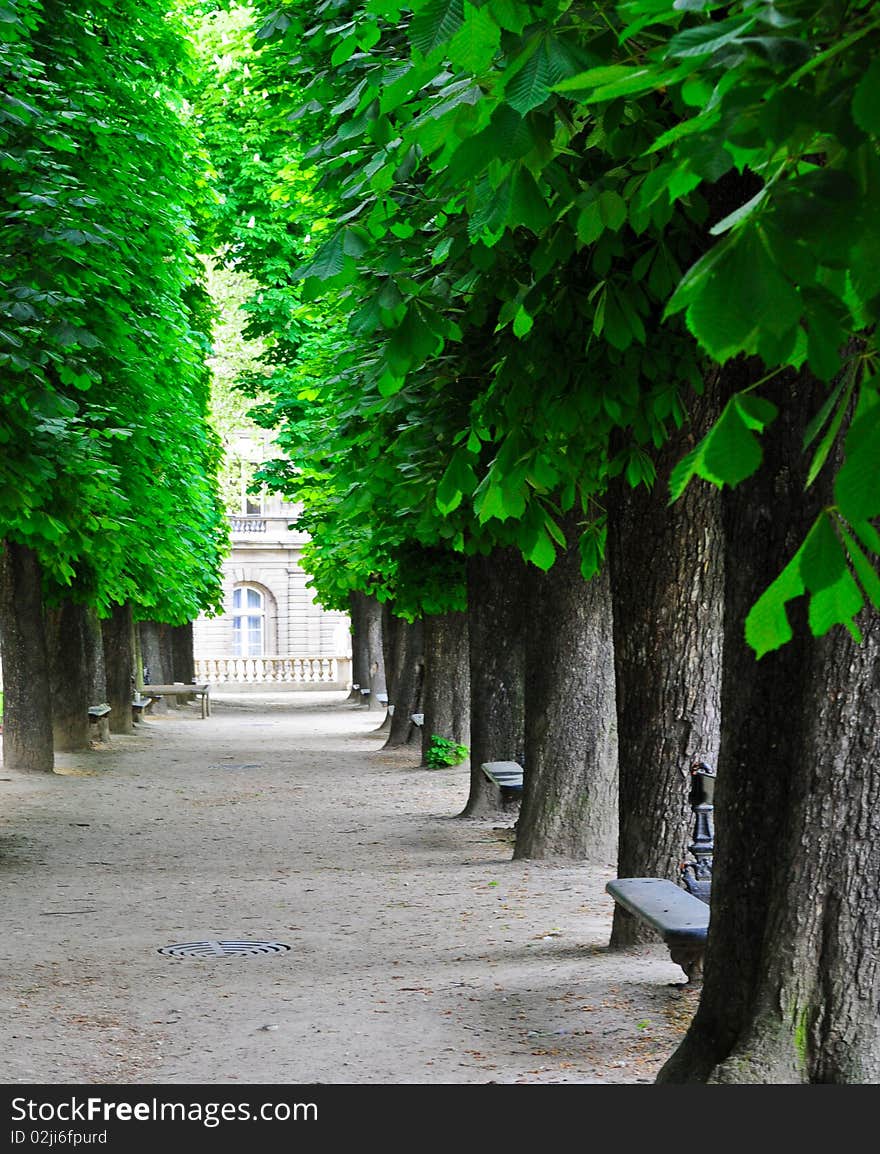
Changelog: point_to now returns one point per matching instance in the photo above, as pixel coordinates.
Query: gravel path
(419, 952)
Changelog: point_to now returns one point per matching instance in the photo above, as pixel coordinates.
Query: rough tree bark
(569, 806)
(408, 655)
(157, 660)
(27, 703)
(183, 664)
(118, 633)
(447, 685)
(377, 683)
(67, 647)
(389, 627)
(95, 659)
(358, 671)
(792, 983)
(498, 608)
(97, 673)
(666, 569)
(368, 659)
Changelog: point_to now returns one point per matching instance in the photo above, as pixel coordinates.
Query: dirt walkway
(419, 952)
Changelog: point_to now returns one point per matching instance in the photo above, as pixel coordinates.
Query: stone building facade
(271, 634)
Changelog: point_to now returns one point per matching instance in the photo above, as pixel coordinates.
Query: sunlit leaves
(737, 300)
(730, 451)
(822, 569)
(104, 379)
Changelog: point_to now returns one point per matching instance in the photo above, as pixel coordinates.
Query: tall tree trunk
(791, 975)
(667, 589)
(97, 673)
(118, 632)
(359, 671)
(389, 624)
(154, 655)
(27, 703)
(569, 807)
(408, 652)
(499, 603)
(377, 683)
(95, 659)
(447, 687)
(66, 643)
(183, 664)
(368, 658)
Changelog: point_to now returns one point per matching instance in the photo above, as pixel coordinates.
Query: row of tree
(108, 502)
(525, 270)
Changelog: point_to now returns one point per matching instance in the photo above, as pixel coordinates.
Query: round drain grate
(223, 949)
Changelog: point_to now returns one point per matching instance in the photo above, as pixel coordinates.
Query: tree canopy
(532, 228)
(108, 461)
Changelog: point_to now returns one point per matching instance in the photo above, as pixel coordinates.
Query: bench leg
(690, 958)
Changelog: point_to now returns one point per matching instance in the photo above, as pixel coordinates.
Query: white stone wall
(295, 625)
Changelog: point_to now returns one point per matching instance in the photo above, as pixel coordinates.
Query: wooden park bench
(202, 690)
(139, 706)
(506, 774)
(99, 722)
(679, 913)
(680, 918)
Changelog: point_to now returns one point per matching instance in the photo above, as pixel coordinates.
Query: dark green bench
(99, 722)
(680, 918)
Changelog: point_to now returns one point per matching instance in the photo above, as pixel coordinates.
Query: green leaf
(412, 342)
(531, 86)
(821, 454)
(543, 552)
(866, 100)
(708, 38)
(757, 412)
(436, 24)
(510, 15)
(857, 486)
(867, 534)
(457, 481)
(729, 452)
(837, 604)
(612, 209)
(865, 571)
(738, 300)
(767, 626)
(522, 323)
(527, 206)
(476, 43)
(609, 82)
(740, 214)
(590, 224)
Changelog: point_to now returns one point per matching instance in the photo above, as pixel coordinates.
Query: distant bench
(506, 774)
(140, 705)
(99, 721)
(680, 918)
(202, 690)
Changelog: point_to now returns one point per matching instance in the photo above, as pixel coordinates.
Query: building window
(248, 622)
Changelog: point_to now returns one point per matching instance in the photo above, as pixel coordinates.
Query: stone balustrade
(311, 672)
(248, 524)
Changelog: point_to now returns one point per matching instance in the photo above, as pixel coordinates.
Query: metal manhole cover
(222, 949)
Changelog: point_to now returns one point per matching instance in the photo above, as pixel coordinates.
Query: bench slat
(678, 916)
(201, 689)
(507, 774)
